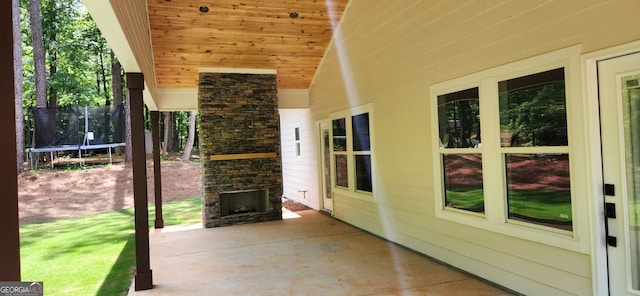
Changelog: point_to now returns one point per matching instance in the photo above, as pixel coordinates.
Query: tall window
(362, 152)
(461, 157)
(340, 152)
(351, 153)
(534, 143)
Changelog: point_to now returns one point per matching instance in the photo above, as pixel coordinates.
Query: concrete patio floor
(308, 254)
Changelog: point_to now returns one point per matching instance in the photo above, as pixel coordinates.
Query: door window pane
(533, 110)
(631, 104)
(342, 175)
(538, 189)
(459, 119)
(327, 162)
(297, 141)
(363, 173)
(339, 134)
(463, 182)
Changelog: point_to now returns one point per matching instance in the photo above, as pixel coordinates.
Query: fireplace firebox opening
(243, 201)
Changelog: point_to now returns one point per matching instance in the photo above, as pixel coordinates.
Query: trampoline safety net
(78, 125)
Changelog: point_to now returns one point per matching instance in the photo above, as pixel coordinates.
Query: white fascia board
(148, 99)
(293, 98)
(177, 99)
(186, 99)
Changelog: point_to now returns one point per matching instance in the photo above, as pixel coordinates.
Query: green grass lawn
(542, 205)
(470, 200)
(545, 206)
(91, 255)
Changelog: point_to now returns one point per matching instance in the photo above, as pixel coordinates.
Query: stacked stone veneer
(239, 115)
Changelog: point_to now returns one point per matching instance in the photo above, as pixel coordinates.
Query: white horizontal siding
(299, 174)
(388, 53)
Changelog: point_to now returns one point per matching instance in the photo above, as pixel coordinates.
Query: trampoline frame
(79, 148)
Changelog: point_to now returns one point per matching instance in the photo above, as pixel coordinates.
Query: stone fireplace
(240, 147)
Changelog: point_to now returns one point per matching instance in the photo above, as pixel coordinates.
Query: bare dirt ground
(54, 194)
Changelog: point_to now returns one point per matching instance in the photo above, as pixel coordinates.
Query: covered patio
(307, 253)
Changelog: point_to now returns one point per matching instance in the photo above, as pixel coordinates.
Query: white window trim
(495, 216)
(351, 190)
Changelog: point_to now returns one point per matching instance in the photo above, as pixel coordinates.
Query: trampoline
(77, 128)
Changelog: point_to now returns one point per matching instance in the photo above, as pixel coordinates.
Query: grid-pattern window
(351, 152)
(527, 122)
(504, 143)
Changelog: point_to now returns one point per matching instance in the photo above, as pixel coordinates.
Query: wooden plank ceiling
(256, 34)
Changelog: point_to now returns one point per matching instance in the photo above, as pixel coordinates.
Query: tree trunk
(167, 126)
(53, 94)
(466, 124)
(171, 127)
(174, 142)
(103, 75)
(17, 68)
(191, 137)
(53, 57)
(116, 89)
(102, 80)
(196, 139)
(38, 53)
(116, 80)
(128, 153)
(40, 76)
(53, 68)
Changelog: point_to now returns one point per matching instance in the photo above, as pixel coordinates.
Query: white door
(325, 159)
(619, 86)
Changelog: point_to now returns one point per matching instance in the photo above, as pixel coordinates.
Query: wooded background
(65, 61)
